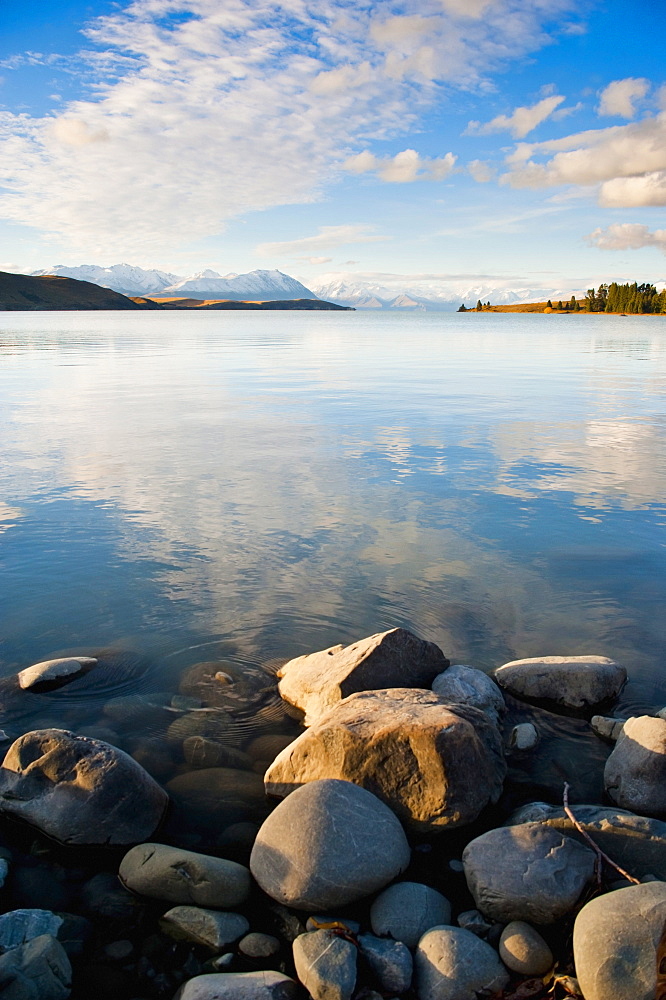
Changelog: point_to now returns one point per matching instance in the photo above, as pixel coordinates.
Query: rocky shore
(364, 838)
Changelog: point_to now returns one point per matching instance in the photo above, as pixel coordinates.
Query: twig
(595, 847)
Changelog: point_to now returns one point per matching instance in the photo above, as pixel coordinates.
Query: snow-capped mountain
(122, 278)
(256, 285)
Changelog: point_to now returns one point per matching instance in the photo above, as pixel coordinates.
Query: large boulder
(526, 872)
(435, 765)
(454, 964)
(79, 790)
(576, 683)
(317, 681)
(406, 910)
(462, 685)
(615, 943)
(37, 970)
(179, 876)
(327, 844)
(239, 986)
(635, 772)
(326, 965)
(637, 843)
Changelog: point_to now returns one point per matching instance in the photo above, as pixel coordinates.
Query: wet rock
(523, 737)
(635, 772)
(406, 910)
(219, 795)
(202, 752)
(390, 962)
(239, 986)
(37, 970)
(522, 949)
(325, 965)
(79, 791)
(211, 928)
(472, 920)
(179, 876)
(258, 945)
(266, 748)
(103, 733)
(154, 756)
(452, 964)
(133, 710)
(209, 723)
(327, 844)
(317, 681)
(19, 926)
(238, 688)
(607, 728)
(528, 872)
(103, 896)
(615, 943)
(573, 682)
(636, 843)
(50, 674)
(435, 765)
(464, 685)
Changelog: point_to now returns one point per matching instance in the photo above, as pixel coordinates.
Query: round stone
(522, 949)
(454, 964)
(406, 910)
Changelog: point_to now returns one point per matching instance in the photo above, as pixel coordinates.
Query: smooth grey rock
(528, 872)
(140, 709)
(390, 961)
(436, 766)
(606, 727)
(472, 920)
(406, 910)
(327, 844)
(326, 965)
(19, 926)
(54, 673)
(211, 928)
(397, 658)
(79, 790)
(179, 876)
(463, 685)
(523, 737)
(615, 943)
(636, 843)
(453, 964)
(635, 772)
(202, 752)
(522, 949)
(239, 986)
(37, 970)
(258, 945)
(574, 682)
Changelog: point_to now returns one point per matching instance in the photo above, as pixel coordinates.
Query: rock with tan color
(454, 964)
(239, 986)
(209, 928)
(398, 658)
(435, 765)
(635, 772)
(522, 949)
(178, 876)
(576, 683)
(326, 965)
(51, 674)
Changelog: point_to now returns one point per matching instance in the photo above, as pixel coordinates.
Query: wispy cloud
(328, 238)
(521, 121)
(403, 168)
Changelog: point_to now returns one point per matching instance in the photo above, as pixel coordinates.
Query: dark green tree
(463, 308)
(479, 306)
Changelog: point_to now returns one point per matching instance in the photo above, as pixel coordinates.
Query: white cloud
(403, 168)
(74, 132)
(327, 238)
(632, 192)
(316, 260)
(618, 98)
(521, 121)
(627, 236)
(480, 171)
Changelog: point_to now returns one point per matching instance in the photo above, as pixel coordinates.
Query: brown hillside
(206, 304)
(21, 292)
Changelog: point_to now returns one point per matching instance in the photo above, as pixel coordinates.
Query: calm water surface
(247, 487)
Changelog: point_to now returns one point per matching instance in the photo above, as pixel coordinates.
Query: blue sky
(440, 145)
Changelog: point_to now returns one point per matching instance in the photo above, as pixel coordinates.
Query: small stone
(406, 910)
(390, 961)
(472, 920)
(179, 876)
(465, 685)
(258, 945)
(523, 737)
(635, 772)
(221, 963)
(211, 928)
(326, 965)
(202, 752)
(607, 728)
(456, 866)
(522, 949)
(239, 986)
(37, 970)
(119, 951)
(185, 703)
(453, 964)
(51, 674)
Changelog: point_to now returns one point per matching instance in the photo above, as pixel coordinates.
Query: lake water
(245, 487)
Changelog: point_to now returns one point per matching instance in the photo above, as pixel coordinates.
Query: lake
(239, 488)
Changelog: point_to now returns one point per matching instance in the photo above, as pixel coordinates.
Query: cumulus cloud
(481, 172)
(328, 238)
(521, 121)
(627, 236)
(403, 168)
(619, 97)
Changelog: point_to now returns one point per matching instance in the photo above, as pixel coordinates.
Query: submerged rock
(453, 964)
(573, 682)
(635, 772)
(327, 844)
(462, 685)
(179, 876)
(219, 795)
(317, 681)
(51, 674)
(406, 910)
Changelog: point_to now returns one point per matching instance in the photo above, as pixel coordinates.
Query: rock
(406, 910)
(435, 765)
(573, 682)
(472, 920)
(523, 737)
(317, 681)
(50, 674)
(268, 747)
(19, 926)
(140, 710)
(327, 844)
(528, 872)
(219, 795)
(239, 986)
(237, 840)
(211, 928)
(37, 970)
(226, 684)
(325, 965)
(119, 951)
(154, 756)
(636, 843)
(607, 728)
(390, 962)
(635, 772)
(210, 723)
(103, 896)
(522, 949)
(257, 945)
(79, 791)
(453, 964)
(464, 685)
(201, 752)
(180, 876)
(615, 943)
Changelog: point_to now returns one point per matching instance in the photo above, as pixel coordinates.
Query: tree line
(613, 298)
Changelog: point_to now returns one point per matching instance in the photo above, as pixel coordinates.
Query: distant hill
(205, 304)
(22, 292)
